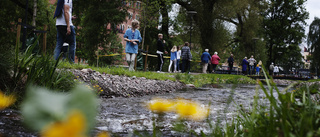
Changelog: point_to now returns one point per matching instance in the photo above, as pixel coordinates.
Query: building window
(138, 5)
(137, 17)
(124, 2)
(130, 16)
(130, 3)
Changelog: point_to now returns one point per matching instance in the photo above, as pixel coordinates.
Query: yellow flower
(73, 126)
(6, 101)
(161, 105)
(191, 110)
(103, 134)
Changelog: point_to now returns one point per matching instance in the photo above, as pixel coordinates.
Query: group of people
(175, 56)
(246, 64)
(206, 59)
(273, 69)
(253, 66)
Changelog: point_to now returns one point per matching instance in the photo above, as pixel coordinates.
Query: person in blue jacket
(205, 59)
(244, 66)
(133, 38)
(173, 59)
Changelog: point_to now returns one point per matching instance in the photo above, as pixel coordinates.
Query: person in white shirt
(65, 29)
(178, 58)
(276, 70)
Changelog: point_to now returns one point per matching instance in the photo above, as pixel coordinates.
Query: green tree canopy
(94, 16)
(284, 24)
(314, 44)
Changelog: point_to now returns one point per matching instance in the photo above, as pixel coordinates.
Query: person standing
(65, 29)
(244, 66)
(160, 51)
(173, 59)
(186, 57)
(251, 61)
(230, 63)
(258, 69)
(133, 38)
(205, 58)
(215, 61)
(271, 67)
(178, 58)
(276, 70)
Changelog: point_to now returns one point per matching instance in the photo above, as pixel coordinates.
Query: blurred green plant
(60, 114)
(29, 68)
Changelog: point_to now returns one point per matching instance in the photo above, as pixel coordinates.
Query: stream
(124, 115)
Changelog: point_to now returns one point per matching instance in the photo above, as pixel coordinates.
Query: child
(173, 59)
(178, 58)
(257, 70)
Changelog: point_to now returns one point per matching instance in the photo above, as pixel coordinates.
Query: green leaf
(42, 106)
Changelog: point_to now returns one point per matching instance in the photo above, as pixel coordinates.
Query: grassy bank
(197, 79)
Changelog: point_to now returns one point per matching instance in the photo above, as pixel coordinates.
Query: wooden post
(44, 48)
(18, 31)
(145, 61)
(135, 61)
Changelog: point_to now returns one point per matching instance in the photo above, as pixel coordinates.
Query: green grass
(198, 79)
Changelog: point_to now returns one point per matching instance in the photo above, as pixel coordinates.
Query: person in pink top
(215, 61)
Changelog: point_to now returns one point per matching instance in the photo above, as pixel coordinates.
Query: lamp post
(254, 47)
(191, 13)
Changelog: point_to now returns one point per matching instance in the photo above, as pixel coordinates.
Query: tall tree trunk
(205, 18)
(34, 13)
(144, 30)
(165, 18)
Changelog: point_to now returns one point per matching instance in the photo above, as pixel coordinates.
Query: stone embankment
(123, 86)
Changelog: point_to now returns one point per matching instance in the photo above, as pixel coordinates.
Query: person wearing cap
(133, 38)
(258, 69)
(173, 59)
(205, 59)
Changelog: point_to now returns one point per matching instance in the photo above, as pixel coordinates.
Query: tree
(284, 24)
(314, 44)
(94, 16)
(246, 17)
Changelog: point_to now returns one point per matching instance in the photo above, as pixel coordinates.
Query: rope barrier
(149, 55)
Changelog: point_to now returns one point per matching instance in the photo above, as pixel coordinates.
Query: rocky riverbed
(122, 86)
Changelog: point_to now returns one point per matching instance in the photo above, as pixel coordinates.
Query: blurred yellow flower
(161, 105)
(73, 126)
(6, 101)
(191, 110)
(103, 134)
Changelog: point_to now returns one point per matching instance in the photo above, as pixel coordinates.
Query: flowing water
(124, 115)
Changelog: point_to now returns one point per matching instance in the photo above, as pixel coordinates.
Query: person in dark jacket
(205, 59)
(230, 63)
(160, 51)
(186, 57)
